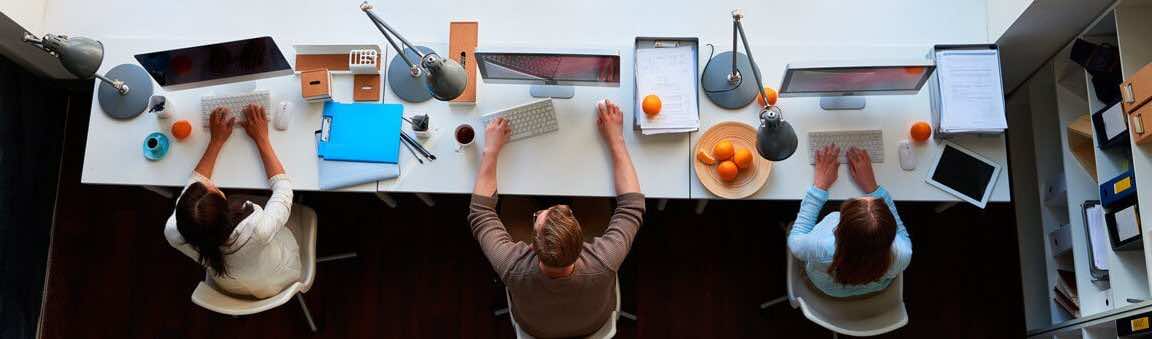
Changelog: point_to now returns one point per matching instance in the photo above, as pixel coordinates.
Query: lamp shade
(446, 79)
(775, 138)
(79, 55)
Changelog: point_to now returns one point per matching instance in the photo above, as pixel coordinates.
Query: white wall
(1001, 15)
(27, 13)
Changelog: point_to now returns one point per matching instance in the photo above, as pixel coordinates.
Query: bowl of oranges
(726, 162)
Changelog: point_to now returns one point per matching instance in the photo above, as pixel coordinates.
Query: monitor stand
(552, 91)
(842, 103)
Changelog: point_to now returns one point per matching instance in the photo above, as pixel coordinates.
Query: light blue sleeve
(902, 245)
(800, 242)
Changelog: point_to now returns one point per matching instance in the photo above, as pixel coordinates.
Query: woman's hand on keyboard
(827, 167)
(860, 166)
(256, 123)
(220, 126)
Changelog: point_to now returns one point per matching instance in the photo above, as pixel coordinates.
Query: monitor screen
(586, 69)
(967, 175)
(855, 79)
(214, 62)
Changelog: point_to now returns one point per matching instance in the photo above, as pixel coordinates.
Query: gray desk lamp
(434, 76)
(775, 138)
(123, 92)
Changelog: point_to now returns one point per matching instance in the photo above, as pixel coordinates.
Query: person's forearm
(623, 173)
(272, 166)
(486, 178)
(208, 160)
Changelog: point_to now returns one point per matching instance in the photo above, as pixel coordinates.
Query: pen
(417, 145)
(414, 155)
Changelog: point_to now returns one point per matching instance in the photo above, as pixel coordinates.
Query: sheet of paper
(971, 94)
(1098, 236)
(1115, 121)
(1126, 224)
(669, 73)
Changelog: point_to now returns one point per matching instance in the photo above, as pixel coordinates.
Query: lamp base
(404, 85)
(129, 105)
(723, 93)
(842, 103)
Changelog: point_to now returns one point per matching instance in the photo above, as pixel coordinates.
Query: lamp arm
(735, 75)
(752, 60)
(120, 86)
(387, 31)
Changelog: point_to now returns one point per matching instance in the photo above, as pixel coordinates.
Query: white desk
(573, 163)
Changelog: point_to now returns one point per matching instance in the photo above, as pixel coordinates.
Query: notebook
(336, 174)
(363, 132)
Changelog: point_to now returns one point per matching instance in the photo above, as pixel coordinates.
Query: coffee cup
(465, 136)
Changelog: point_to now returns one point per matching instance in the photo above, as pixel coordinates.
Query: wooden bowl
(750, 180)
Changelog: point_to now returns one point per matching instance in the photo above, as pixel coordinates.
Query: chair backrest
(608, 330)
(867, 316)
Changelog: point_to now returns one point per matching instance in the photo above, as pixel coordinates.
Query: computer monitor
(552, 73)
(842, 85)
(216, 64)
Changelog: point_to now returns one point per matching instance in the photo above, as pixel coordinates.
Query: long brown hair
(206, 220)
(863, 241)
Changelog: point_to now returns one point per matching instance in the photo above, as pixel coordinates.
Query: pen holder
(420, 125)
(160, 106)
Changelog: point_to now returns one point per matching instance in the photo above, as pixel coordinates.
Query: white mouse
(907, 158)
(283, 117)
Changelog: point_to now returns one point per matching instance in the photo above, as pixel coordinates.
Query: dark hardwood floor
(421, 275)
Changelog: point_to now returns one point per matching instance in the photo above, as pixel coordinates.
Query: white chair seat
(861, 317)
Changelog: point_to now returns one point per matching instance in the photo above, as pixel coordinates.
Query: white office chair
(606, 331)
(860, 317)
(302, 222)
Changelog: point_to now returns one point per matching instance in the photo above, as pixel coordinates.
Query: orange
(181, 129)
(772, 96)
(727, 171)
(651, 105)
(723, 150)
(704, 158)
(742, 158)
(921, 131)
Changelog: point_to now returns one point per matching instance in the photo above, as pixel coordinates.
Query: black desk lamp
(775, 138)
(434, 76)
(124, 91)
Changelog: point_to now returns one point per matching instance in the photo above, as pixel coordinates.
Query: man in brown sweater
(559, 285)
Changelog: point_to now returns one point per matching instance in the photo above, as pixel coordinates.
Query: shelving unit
(1058, 95)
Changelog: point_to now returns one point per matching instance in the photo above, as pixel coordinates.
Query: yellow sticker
(1122, 185)
(1139, 324)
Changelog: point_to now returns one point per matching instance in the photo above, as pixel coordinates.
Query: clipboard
(936, 102)
(360, 132)
(664, 42)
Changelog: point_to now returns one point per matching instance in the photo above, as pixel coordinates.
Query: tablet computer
(964, 173)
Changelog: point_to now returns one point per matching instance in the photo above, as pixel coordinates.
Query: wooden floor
(421, 275)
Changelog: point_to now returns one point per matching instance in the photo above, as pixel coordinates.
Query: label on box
(1122, 185)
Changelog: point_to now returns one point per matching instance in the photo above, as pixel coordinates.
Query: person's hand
(860, 166)
(256, 123)
(610, 121)
(496, 134)
(827, 167)
(219, 126)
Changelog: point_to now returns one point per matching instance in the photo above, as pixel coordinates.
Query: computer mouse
(283, 117)
(907, 158)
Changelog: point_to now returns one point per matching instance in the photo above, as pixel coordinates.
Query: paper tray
(650, 42)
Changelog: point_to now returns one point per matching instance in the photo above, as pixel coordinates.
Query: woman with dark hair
(245, 247)
(858, 250)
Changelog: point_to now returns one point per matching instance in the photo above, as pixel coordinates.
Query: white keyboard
(871, 141)
(528, 120)
(235, 104)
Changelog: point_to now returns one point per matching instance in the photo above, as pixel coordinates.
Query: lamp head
(79, 55)
(446, 79)
(775, 138)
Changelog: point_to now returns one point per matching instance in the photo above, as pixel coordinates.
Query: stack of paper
(970, 93)
(1098, 236)
(670, 74)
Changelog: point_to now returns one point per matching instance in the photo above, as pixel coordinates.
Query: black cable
(706, 90)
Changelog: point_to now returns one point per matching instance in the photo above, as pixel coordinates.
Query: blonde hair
(560, 239)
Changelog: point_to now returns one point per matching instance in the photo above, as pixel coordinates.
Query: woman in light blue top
(858, 250)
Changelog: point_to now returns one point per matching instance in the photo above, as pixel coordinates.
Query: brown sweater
(575, 305)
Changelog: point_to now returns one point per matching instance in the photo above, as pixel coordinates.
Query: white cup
(465, 136)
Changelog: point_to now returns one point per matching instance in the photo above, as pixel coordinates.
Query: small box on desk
(1121, 212)
(316, 85)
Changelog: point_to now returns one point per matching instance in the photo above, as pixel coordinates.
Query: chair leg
(427, 199)
(386, 199)
(628, 316)
(500, 312)
(773, 302)
(307, 314)
(336, 257)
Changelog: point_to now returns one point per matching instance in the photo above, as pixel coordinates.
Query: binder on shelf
(975, 106)
(1118, 190)
(360, 132)
(1098, 245)
(686, 118)
(1110, 125)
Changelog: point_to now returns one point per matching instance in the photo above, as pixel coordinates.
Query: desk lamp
(434, 76)
(775, 138)
(124, 91)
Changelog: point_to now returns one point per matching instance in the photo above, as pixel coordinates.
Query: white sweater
(262, 255)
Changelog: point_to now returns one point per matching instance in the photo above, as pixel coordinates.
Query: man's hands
(860, 166)
(256, 123)
(220, 128)
(496, 134)
(611, 122)
(827, 167)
